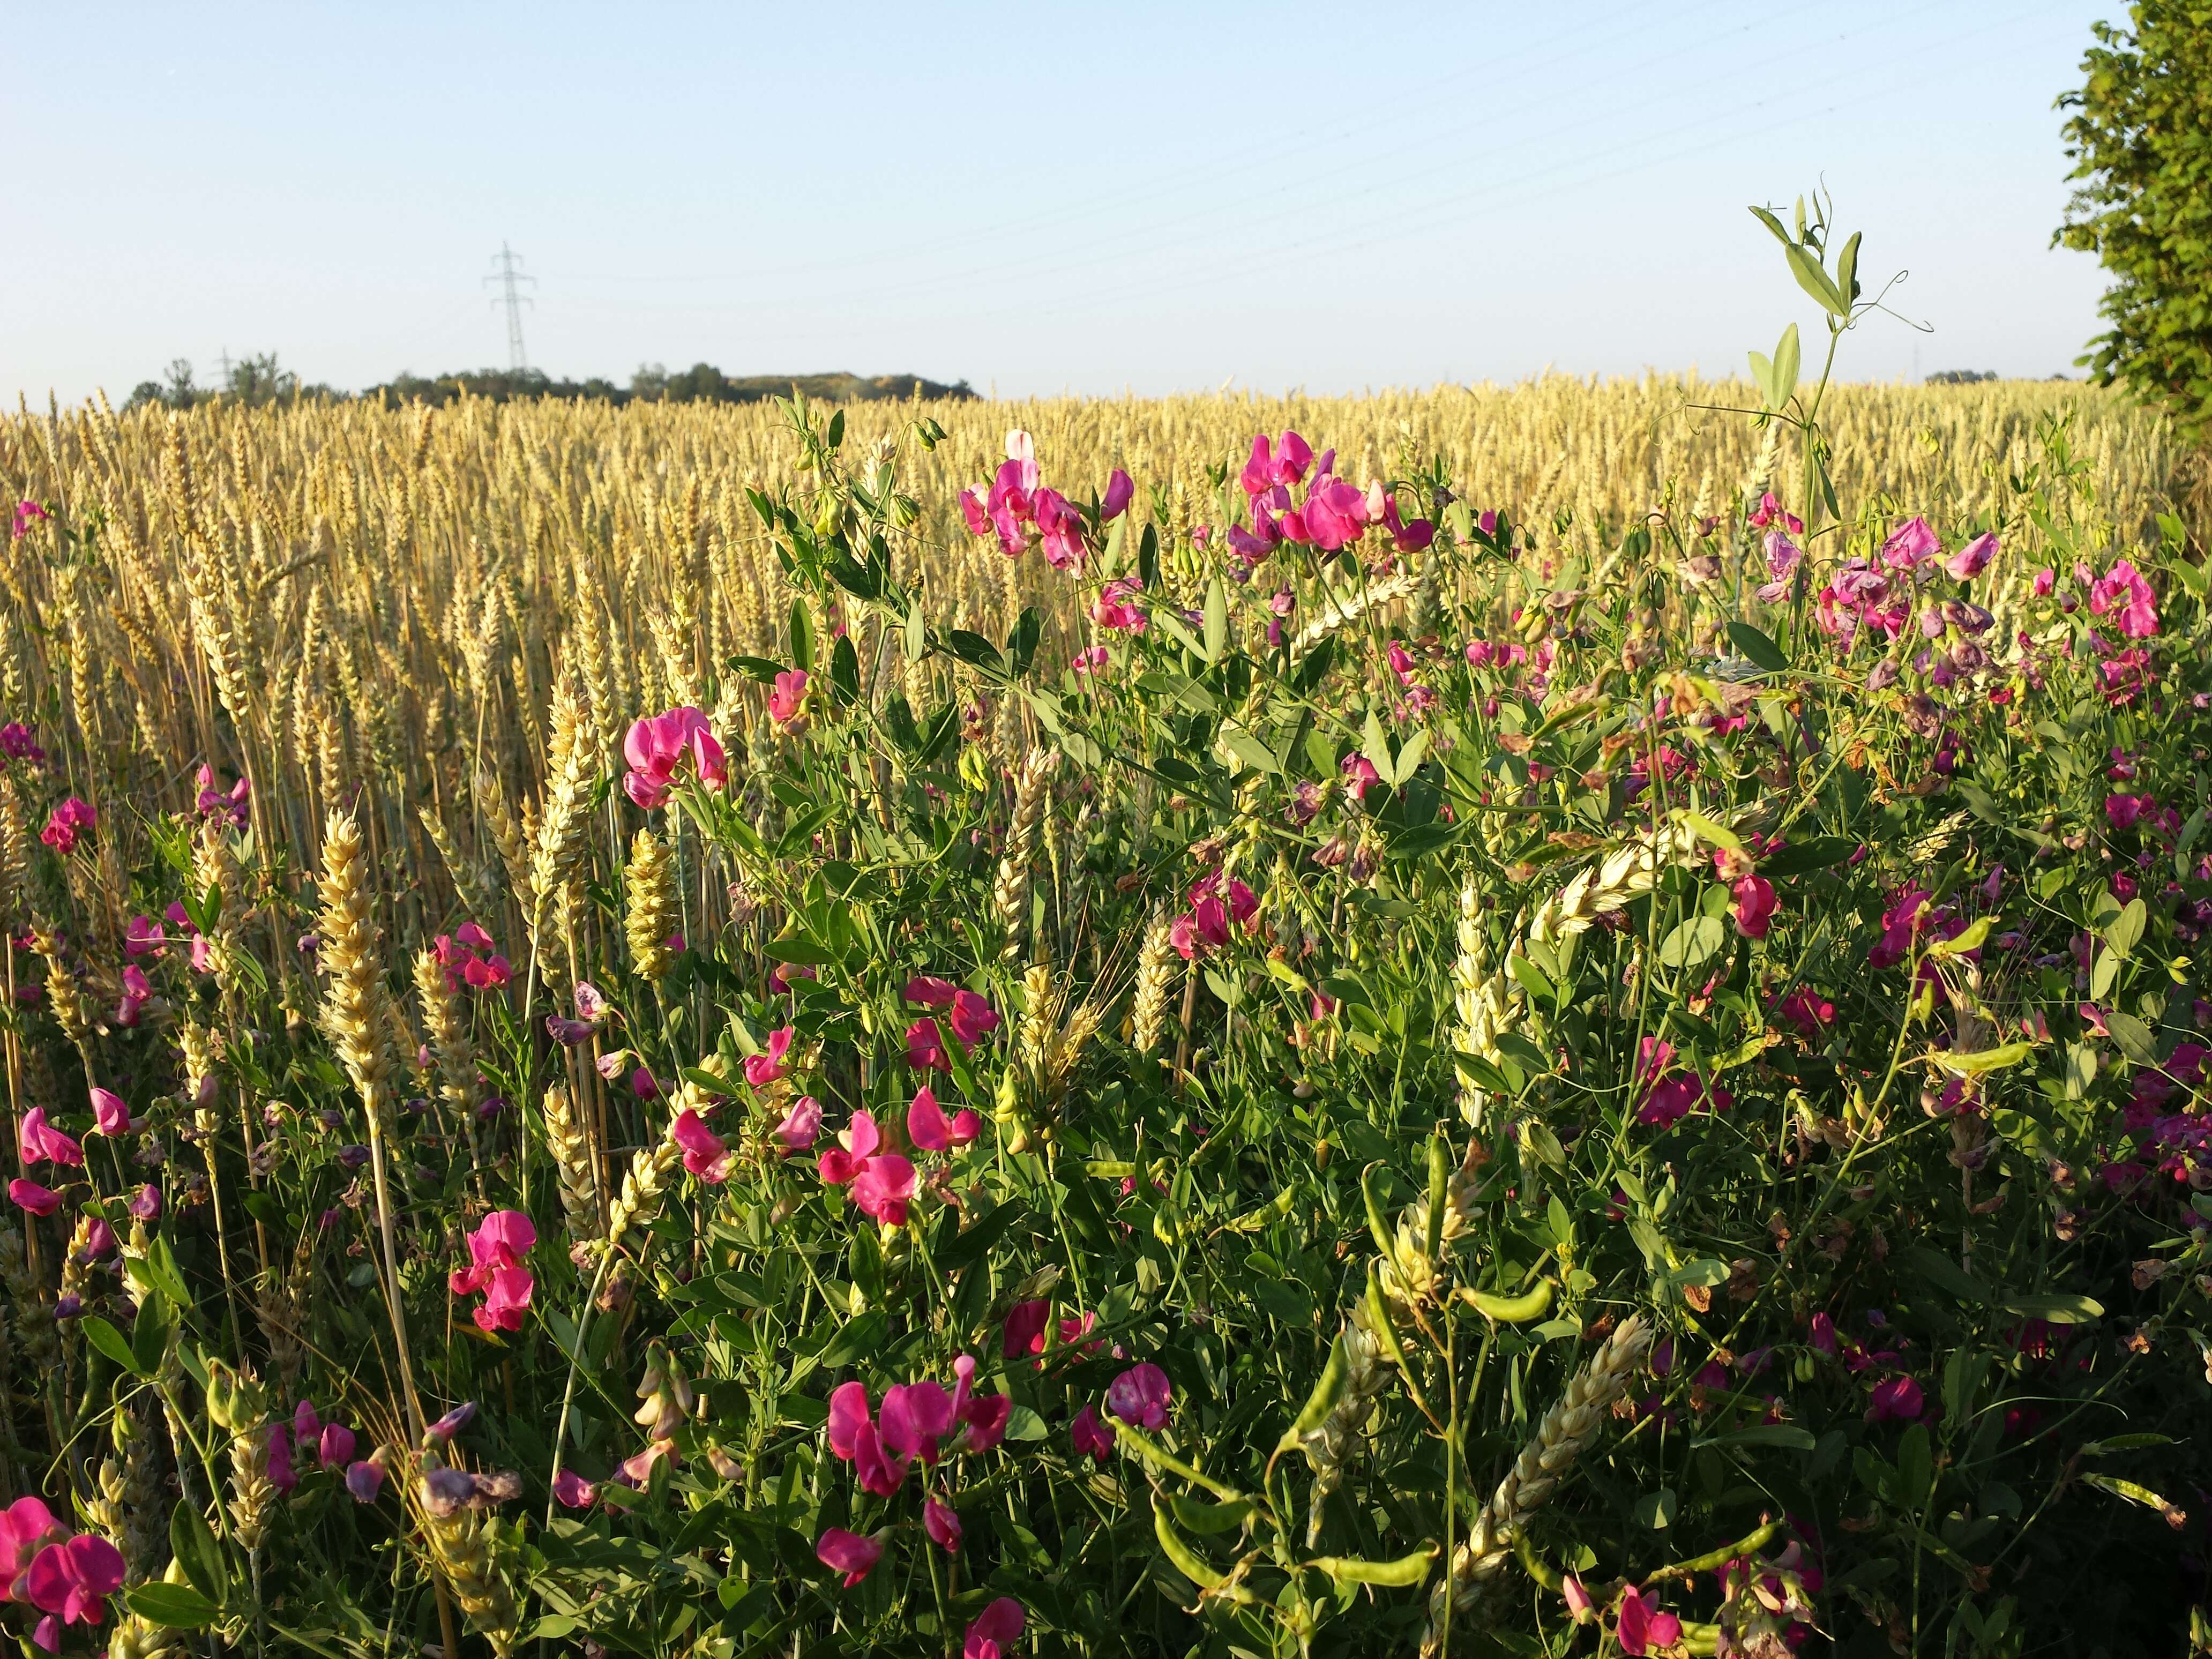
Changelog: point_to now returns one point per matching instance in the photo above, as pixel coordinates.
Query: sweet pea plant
(1395, 1090)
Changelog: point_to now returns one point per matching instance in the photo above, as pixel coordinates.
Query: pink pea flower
(19, 741)
(497, 1249)
(788, 699)
(1024, 1329)
(705, 1154)
(573, 1492)
(1115, 608)
(146, 1206)
(365, 1479)
(942, 1525)
(2122, 592)
(924, 1047)
(760, 1070)
(801, 1125)
(137, 992)
(74, 1580)
(1823, 1338)
(993, 1630)
(656, 748)
(334, 1447)
(1641, 1628)
(1282, 466)
(1140, 1396)
(27, 513)
(40, 1143)
(1754, 906)
(26, 1526)
(1909, 543)
(282, 1474)
(882, 1182)
(71, 819)
(1899, 924)
(1089, 661)
(927, 1128)
(1807, 1011)
(1769, 511)
(1090, 1436)
(973, 1019)
(1059, 525)
(142, 937)
(109, 1116)
(930, 991)
(1896, 1400)
(1360, 776)
(99, 1242)
(1973, 558)
(1119, 490)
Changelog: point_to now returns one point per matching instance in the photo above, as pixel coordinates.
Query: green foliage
(2142, 139)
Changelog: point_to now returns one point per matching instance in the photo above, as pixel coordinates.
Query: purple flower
(1140, 1396)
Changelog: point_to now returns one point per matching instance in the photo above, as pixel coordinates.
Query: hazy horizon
(1035, 204)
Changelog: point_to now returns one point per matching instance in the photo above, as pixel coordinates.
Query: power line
(507, 276)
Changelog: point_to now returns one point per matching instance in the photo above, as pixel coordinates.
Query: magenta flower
(334, 1447)
(74, 1580)
(789, 700)
(1896, 1400)
(705, 1155)
(365, 1479)
(72, 818)
(26, 1526)
(1899, 924)
(849, 1553)
(924, 1047)
(1823, 1338)
(497, 1249)
(930, 991)
(942, 1525)
(1140, 1396)
(801, 1125)
(993, 1630)
(760, 1070)
(1283, 465)
(1090, 1436)
(1754, 907)
(282, 1474)
(2122, 592)
(927, 1128)
(1115, 607)
(1024, 1329)
(1119, 490)
(142, 937)
(1807, 1011)
(882, 1182)
(572, 1491)
(1769, 511)
(137, 992)
(40, 1143)
(973, 1019)
(19, 741)
(1336, 514)
(147, 1204)
(27, 513)
(109, 1116)
(1909, 543)
(1059, 525)
(1641, 1627)
(1973, 558)
(1360, 776)
(656, 749)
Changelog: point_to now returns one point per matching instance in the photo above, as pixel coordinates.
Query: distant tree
(1961, 376)
(2141, 141)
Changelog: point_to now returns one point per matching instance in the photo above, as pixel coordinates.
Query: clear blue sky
(1153, 196)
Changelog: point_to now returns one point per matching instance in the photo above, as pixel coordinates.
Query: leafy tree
(2141, 141)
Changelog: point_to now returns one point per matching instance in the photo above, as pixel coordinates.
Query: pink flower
(282, 1474)
(109, 1114)
(1284, 465)
(927, 1128)
(930, 991)
(1807, 1011)
(1140, 1396)
(942, 1525)
(1119, 490)
(1360, 776)
(849, 1415)
(2123, 592)
(497, 1249)
(789, 697)
(801, 1125)
(1769, 511)
(1973, 558)
(849, 1554)
(143, 938)
(365, 1479)
(30, 1196)
(973, 1018)
(760, 1070)
(997, 1628)
(136, 993)
(704, 1153)
(656, 748)
(573, 1492)
(19, 741)
(1897, 1401)
(925, 1047)
(1091, 1435)
(147, 1204)
(1089, 661)
(882, 1182)
(26, 1526)
(74, 1580)
(1115, 607)
(1899, 924)
(334, 1447)
(1060, 526)
(1024, 1329)
(28, 513)
(1641, 1627)
(66, 822)
(1754, 906)
(1909, 543)
(1823, 1338)
(39, 1143)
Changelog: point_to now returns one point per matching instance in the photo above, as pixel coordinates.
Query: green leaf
(1719, 834)
(1249, 749)
(2056, 1309)
(2133, 1037)
(1217, 619)
(1179, 631)
(1788, 1435)
(1814, 281)
(1847, 270)
(1803, 857)
(1945, 1274)
(198, 1554)
(109, 1341)
(2127, 928)
(1762, 376)
(178, 1606)
(1023, 1423)
(1786, 366)
(1692, 942)
(845, 668)
(1753, 643)
(802, 636)
(149, 1333)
